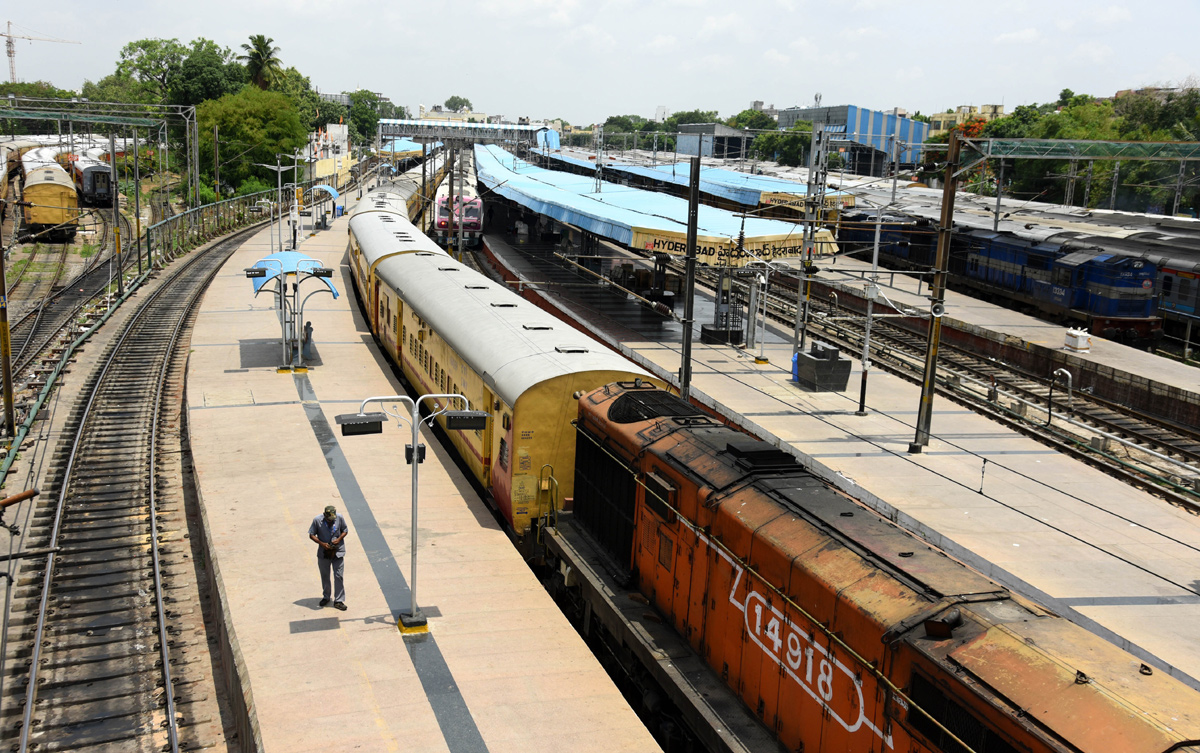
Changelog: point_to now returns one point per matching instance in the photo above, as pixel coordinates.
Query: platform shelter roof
(404, 147)
(742, 188)
(285, 263)
(640, 219)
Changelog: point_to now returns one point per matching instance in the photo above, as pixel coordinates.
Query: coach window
(1184, 288)
(1167, 282)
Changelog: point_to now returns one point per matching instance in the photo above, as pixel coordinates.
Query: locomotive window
(1184, 288)
(502, 456)
(961, 722)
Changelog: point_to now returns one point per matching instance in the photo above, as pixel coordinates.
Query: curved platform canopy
(288, 263)
(327, 189)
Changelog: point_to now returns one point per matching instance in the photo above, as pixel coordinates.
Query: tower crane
(12, 48)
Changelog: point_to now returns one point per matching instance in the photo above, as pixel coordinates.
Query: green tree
(255, 125)
(755, 120)
(208, 72)
(38, 89)
(152, 62)
(262, 60)
(120, 86)
(366, 108)
(921, 118)
(458, 104)
(785, 147)
(1016, 125)
(691, 116)
(623, 123)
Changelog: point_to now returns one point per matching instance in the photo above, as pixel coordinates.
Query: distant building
(1158, 92)
(861, 136)
(341, 99)
(940, 122)
(757, 105)
(437, 112)
(713, 140)
(331, 141)
(661, 113)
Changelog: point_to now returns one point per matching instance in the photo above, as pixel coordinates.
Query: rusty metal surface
(1092, 694)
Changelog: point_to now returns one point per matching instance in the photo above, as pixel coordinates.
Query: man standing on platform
(329, 532)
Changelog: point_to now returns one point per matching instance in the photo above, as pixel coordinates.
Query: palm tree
(262, 62)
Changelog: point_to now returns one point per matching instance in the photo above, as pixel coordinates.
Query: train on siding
(837, 628)
(466, 208)
(92, 175)
(1065, 275)
(452, 330)
(48, 196)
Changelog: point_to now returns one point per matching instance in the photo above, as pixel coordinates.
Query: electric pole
(938, 297)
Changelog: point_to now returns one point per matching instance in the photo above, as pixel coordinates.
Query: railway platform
(500, 668)
(984, 321)
(1114, 559)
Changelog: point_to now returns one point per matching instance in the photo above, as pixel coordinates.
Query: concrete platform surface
(907, 290)
(500, 669)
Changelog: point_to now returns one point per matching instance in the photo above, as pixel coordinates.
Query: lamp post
(278, 196)
(362, 422)
(294, 312)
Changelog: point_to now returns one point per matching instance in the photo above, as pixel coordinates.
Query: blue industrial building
(862, 136)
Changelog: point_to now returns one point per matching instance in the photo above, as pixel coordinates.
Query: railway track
(1142, 450)
(30, 284)
(107, 625)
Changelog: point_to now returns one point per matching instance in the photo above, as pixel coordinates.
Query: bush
(254, 184)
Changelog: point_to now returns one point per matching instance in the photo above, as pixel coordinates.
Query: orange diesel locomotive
(838, 629)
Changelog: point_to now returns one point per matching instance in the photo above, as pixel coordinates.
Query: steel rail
(31, 693)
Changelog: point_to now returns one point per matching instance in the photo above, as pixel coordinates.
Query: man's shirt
(327, 532)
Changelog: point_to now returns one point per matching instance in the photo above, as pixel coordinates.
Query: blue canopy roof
(329, 189)
(288, 262)
(404, 146)
(633, 217)
(742, 188)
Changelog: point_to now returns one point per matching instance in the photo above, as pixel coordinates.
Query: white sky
(584, 60)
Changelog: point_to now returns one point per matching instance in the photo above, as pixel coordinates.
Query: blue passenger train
(1075, 279)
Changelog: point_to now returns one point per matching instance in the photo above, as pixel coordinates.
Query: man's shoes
(339, 605)
(324, 602)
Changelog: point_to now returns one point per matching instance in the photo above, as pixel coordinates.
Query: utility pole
(450, 203)
(116, 212)
(10, 422)
(1178, 188)
(599, 157)
(1116, 181)
(872, 291)
(689, 279)
(462, 205)
(137, 205)
(814, 199)
(1000, 192)
(216, 162)
(938, 297)
(1087, 186)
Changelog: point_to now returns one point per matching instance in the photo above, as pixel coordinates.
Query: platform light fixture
(355, 424)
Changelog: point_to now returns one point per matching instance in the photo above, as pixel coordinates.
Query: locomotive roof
(514, 344)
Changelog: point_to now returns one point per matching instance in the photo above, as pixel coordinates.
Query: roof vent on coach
(571, 348)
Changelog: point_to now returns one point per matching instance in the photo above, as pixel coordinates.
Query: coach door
(485, 447)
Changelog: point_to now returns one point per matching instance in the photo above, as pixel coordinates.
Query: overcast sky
(584, 60)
